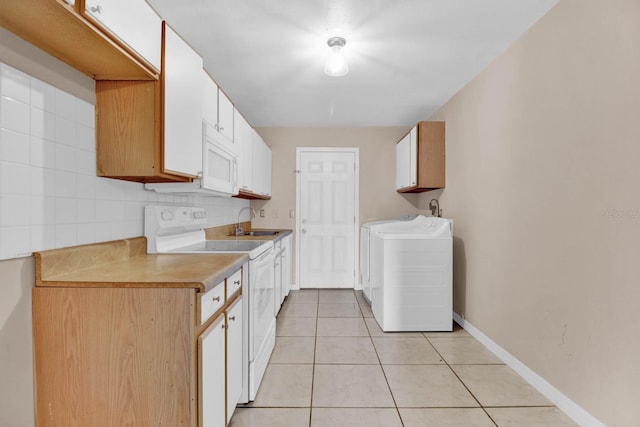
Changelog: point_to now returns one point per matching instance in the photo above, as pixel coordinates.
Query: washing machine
(411, 274)
(365, 245)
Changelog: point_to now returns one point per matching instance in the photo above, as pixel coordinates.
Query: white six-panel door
(327, 199)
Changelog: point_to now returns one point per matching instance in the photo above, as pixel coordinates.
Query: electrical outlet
(292, 213)
(261, 213)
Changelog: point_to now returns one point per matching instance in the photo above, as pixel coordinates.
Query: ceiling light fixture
(336, 64)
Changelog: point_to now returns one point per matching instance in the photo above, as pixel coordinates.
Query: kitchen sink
(260, 233)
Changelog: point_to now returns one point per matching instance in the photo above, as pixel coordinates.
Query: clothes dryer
(411, 265)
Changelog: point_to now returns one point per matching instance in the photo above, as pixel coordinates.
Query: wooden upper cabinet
(152, 131)
(61, 30)
(420, 159)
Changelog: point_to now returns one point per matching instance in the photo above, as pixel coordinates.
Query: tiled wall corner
(50, 196)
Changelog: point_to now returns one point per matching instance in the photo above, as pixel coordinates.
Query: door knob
(303, 231)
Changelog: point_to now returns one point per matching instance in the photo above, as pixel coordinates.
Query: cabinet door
(209, 100)
(406, 160)
(286, 266)
(258, 178)
(267, 170)
(182, 90)
(413, 156)
(211, 346)
(277, 276)
(225, 116)
(242, 134)
(134, 22)
(234, 356)
(261, 167)
(403, 160)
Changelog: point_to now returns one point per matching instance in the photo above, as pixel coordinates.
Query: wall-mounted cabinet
(218, 110)
(152, 131)
(261, 167)
(242, 134)
(182, 106)
(420, 159)
(133, 23)
(256, 167)
(62, 30)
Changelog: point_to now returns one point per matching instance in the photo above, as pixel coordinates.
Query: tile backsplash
(50, 196)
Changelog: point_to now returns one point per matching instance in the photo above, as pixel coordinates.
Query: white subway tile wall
(50, 196)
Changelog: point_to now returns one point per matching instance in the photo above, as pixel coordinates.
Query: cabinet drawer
(234, 282)
(211, 301)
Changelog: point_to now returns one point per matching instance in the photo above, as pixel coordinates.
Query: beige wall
(543, 184)
(16, 360)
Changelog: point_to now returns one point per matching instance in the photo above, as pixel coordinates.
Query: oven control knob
(166, 215)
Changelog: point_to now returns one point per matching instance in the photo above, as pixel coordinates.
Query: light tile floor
(334, 367)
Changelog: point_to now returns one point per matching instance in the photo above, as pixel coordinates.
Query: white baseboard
(568, 406)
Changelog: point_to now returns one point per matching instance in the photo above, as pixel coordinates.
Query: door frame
(356, 204)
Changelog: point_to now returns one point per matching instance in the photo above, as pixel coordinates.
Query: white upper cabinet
(261, 167)
(183, 103)
(218, 110)
(210, 100)
(406, 164)
(225, 116)
(242, 135)
(133, 22)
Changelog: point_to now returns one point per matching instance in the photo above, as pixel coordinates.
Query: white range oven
(177, 229)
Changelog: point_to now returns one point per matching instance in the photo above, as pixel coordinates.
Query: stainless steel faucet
(239, 230)
(434, 205)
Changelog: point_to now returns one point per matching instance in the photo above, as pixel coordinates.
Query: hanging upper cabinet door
(242, 139)
(420, 159)
(225, 116)
(182, 83)
(132, 23)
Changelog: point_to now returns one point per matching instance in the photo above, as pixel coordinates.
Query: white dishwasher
(412, 275)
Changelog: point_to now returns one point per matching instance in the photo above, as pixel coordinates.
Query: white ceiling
(406, 57)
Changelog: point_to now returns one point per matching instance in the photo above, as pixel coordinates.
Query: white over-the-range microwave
(219, 168)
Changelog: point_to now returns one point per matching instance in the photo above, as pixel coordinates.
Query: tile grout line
(313, 369)
(381, 367)
(460, 379)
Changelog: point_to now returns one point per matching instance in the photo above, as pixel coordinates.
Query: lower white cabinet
(285, 265)
(220, 365)
(282, 265)
(212, 374)
(234, 356)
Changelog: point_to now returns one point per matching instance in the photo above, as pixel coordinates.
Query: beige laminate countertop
(124, 263)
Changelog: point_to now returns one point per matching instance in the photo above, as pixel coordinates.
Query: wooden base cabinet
(114, 356)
